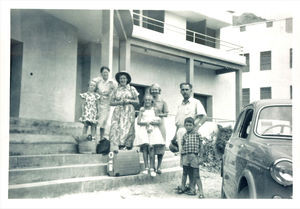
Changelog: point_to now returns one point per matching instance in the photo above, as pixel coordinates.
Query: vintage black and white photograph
(112, 102)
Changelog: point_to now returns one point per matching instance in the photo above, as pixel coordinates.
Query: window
(247, 67)
(289, 25)
(136, 17)
(245, 96)
(266, 93)
(291, 58)
(269, 24)
(244, 132)
(242, 28)
(265, 60)
(154, 20)
(291, 92)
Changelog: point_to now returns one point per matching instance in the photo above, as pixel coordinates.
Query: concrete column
(124, 56)
(190, 71)
(238, 91)
(107, 38)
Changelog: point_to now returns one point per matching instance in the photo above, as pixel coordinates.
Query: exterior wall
(175, 26)
(48, 85)
(147, 69)
(258, 38)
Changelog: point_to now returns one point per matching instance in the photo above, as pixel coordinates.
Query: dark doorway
(142, 91)
(206, 101)
(16, 59)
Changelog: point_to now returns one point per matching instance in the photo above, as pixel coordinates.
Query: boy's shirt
(191, 143)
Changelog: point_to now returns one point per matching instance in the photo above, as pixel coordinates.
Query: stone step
(29, 175)
(40, 138)
(51, 160)
(41, 148)
(56, 188)
(35, 126)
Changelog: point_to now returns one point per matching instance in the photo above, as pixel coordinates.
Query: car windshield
(275, 121)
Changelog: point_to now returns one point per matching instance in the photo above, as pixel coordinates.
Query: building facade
(269, 56)
(54, 53)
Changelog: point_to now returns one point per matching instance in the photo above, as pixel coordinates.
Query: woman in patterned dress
(122, 132)
(161, 108)
(89, 109)
(105, 87)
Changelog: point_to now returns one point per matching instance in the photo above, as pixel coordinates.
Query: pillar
(107, 39)
(190, 71)
(124, 56)
(238, 91)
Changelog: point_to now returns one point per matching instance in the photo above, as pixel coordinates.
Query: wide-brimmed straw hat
(123, 73)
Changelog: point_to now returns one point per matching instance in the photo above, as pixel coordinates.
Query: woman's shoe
(152, 172)
(146, 171)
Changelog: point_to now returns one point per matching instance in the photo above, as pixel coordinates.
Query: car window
(275, 121)
(246, 124)
(239, 121)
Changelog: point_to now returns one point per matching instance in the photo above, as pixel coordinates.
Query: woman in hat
(105, 87)
(122, 131)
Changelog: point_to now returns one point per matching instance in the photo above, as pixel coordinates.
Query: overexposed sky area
(266, 9)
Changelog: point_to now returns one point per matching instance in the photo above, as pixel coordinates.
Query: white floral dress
(122, 131)
(89, 109)
(148, 135)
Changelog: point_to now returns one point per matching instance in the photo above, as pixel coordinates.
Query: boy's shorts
(191, 160)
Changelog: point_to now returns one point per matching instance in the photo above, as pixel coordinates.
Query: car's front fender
(246, 174)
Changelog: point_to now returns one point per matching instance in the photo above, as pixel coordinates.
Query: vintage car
(257, 161)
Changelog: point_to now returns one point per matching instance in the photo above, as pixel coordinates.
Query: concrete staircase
(45, 164)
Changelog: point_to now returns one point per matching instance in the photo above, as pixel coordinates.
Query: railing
(193, 36)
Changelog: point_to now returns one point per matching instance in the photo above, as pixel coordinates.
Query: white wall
(175, 26)
(48, 86)
(146, 69)
(258, 38)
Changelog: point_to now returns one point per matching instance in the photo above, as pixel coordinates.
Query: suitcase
(125, 162)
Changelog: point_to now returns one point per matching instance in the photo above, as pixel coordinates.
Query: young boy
(190, 154)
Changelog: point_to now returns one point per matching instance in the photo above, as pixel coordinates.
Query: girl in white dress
(148, 133)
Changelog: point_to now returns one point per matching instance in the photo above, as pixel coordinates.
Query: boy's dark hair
(189, 120)
(185, 83)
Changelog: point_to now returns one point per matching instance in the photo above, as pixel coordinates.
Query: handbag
(103, 147)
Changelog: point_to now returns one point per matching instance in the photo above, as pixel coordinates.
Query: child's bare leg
(93, 130)
(184, 177)
(192, 179)
(85, 128)
(152, 157)
(198, 180)
(144, 149)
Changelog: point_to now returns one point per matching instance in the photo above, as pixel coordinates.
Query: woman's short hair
(104, 68)
(155, 85)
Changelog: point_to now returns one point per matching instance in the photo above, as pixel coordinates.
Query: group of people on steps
(147, 131)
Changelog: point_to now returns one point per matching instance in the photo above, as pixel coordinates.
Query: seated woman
(122, 132)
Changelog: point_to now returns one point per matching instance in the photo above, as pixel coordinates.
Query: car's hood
(280, 149)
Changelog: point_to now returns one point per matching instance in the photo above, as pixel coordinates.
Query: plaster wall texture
(48, 85)
(258, 38)
(169, 74)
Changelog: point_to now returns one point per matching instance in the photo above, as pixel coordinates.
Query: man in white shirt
(189, 107)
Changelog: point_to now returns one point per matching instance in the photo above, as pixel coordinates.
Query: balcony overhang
(219, 65)
(123, 23)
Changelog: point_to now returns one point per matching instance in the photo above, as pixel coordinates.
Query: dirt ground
(211, 182)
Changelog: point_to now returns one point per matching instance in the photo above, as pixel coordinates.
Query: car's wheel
(244, 193)
(223, 196)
